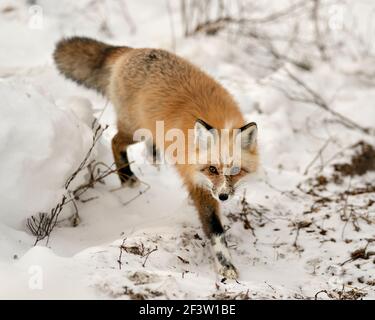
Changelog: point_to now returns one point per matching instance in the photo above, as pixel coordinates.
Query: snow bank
(40, 145)
(33, 274)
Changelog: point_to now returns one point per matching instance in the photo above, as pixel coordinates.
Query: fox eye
(235, 170)
(213, 170)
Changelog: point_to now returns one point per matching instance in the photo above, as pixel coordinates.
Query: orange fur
(150, 85)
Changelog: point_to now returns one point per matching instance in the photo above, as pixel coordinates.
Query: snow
(46, 131)
(36, 140)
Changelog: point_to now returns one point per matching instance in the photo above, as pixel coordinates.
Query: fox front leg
(120, 142)
(220, 249)
(153, 154)
(208, 210)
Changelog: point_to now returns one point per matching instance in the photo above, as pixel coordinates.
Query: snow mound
(40, 145)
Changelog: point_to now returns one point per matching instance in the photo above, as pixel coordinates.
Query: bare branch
(319, 101)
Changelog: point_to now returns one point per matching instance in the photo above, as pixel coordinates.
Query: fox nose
(223, 196)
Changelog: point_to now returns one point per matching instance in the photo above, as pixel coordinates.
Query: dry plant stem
(75, 218)
(343, 216)
(119, 260)
(97, 134)
(139, 250)
(339, 153)
(318, 33)
(312, 96)
(225, 18)
(321, 291)
(96, 176)
(244, 212)
(281, 58)
(319, 101)
(147, 255)
(360, 253)
(43, 225)
(140, 193)
(317, 156)
(295, 243)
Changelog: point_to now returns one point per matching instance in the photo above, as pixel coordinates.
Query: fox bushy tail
(87, 61)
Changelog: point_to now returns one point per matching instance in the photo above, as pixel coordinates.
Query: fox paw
(228, 271)
(132, 182)
(157, 166)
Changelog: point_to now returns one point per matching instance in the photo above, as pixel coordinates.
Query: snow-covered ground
(305, 227)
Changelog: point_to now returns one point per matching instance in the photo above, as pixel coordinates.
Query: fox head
(226, 158)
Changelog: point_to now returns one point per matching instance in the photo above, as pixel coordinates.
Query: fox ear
(203, 133)
(248, 134)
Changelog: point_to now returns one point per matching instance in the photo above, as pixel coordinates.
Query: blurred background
(299, 32)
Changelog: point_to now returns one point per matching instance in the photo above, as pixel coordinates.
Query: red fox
(150, 85)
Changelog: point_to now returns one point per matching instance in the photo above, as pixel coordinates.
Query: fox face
(231, 158)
